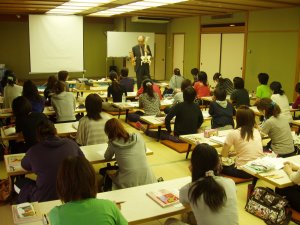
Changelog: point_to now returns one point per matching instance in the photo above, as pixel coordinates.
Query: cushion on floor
(296, 216)
(237, 180)
(178, 147)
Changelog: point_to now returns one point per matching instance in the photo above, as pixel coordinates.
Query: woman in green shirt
(77, 189)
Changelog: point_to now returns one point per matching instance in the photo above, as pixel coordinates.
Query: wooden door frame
(173, 35)
(297, 72)
(165, 34)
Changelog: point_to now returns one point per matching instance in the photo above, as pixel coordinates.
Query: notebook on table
(26, 213)
(164, 197)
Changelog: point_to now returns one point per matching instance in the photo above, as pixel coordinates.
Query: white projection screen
(56, 43)
(119, 44)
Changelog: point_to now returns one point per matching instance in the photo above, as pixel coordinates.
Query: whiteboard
(119, 44)
(56, 43)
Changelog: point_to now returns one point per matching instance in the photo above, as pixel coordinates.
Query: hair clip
(209, 173)
(10, 78)
(148, 84)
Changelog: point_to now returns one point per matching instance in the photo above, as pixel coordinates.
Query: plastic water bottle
(123, 98)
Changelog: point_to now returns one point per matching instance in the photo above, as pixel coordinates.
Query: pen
(45, 220)
(119, 203)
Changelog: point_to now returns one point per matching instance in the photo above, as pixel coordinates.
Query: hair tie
(148, 84)
(273, 104)
(10, 78)
(209, 173)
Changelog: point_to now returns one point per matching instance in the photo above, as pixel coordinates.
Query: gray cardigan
(132, 161)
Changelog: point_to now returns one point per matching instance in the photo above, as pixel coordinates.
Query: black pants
(234, 172)
(142, 72)
(292, 194)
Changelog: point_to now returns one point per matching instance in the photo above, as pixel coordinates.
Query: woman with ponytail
(211, 197)
(276, 126)
(116, 91)
(281, 100)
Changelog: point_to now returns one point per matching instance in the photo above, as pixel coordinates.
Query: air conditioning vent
(219, 17)
(147, 19)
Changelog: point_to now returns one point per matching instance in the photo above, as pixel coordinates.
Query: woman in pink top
(246, 141)
(201, 86)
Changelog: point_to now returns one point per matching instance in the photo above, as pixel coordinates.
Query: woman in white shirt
(211, 197)
(11, 90)
(292, 193)
(246, 141)
(281, 99)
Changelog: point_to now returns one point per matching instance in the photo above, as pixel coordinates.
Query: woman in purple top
(44, 159)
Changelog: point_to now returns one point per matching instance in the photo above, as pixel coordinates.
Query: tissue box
(210, 132)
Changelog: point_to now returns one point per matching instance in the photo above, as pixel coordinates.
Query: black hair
(238, 83)
(194, 71)
(185, 83)
(217, 77)
(177, 72)
(202, 77)
(45, 129)
(205, 159)
(263, 78)
(11, 79)
(5, 75)
(276, 88)
(124, 72)
(63, 75)
(220, 94)
(30, 91)
(21, 106)
(189, 94)
(297, 88)
(148, 87)
(113, 76)
(93, 105)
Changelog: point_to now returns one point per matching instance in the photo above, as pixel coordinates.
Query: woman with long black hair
(211, 197)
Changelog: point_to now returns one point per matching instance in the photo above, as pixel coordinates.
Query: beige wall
(191, 28)
(273, 46)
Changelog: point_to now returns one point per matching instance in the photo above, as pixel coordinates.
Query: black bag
(269, 206)
(107, 181)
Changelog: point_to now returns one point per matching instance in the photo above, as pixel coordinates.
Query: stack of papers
(265, 164)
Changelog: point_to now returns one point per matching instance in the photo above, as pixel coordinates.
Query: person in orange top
(156, 89)
(201, 86)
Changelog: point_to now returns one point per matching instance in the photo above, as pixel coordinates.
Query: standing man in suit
(141, 67)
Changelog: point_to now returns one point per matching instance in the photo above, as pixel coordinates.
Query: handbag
(106, 172)
(269, 206)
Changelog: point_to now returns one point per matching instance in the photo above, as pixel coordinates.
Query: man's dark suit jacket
(137, 54)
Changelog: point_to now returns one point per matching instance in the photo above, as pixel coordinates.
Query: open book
(26, 213)
(9, 131)
(164, 197)
(14, 162)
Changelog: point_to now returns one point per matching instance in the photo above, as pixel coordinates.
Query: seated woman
(221, 110)
(11, 90)
(209, 194)
(31, 92)
(297, 101)
(63, 76)
(114, 90)
(148, 101)
(49, 90)
(91, 127)
(130, 153)
(281, 100)
(292, 193)
(175, 81)
(195, 73)
(201, 86)
(223, 83)
(277, 127)
(26, 121)
(246, 141)
(64, 103)
(240, 96)
(183, 124)
(178, 97)
(127, 82)
(44, 159)
(77, 189)
(156, 88)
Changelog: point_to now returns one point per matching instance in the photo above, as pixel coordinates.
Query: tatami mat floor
(169, 164)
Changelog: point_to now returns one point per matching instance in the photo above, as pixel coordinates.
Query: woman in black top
(240, 95)
(115, 90)
(224, 83)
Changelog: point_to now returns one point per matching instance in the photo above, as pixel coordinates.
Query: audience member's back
(11, 91)
(45, 158)
(126, 81)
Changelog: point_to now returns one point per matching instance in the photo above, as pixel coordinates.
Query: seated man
(185, 123)
(126, 81)
(44, 159)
